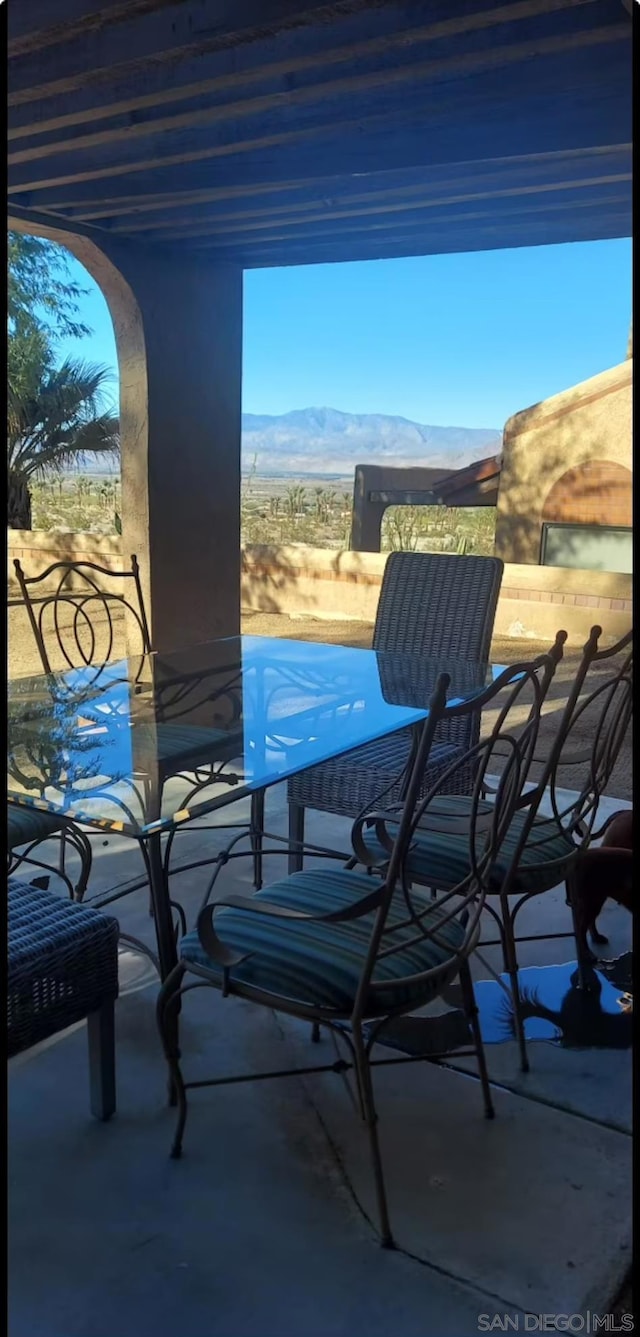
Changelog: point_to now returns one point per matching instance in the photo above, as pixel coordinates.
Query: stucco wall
(535, 601)
(37, 549)
(575, 446)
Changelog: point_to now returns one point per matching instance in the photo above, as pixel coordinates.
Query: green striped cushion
(320, 964)
(27, 824)
(439, 859)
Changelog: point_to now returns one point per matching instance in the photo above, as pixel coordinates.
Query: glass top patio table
(145, 744)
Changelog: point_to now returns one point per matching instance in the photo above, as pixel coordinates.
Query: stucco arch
(132, 365)
(178, 326)
(597, 492)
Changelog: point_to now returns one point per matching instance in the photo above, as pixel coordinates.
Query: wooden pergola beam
(167, 26)
(116, 92)
(527, 197)
(30, 31)
(357, 226)
(327, 127)
(137, 210)
(367, 246)
(352, 85)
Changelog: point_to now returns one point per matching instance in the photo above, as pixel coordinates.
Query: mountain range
(326, 441)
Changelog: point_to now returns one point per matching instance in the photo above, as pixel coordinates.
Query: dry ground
(23, 660)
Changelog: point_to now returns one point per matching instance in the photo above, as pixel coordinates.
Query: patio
(265, 1226)
(464, 128)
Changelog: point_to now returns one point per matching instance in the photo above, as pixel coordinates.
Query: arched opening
(587, 517)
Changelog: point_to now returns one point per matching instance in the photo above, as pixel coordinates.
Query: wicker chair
(63, 967)
(430, 604)
(351, 949)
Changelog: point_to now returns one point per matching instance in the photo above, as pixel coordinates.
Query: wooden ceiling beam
(366, 144)
(499, 232)
(211, 75)
(405, 140)
(350, 86)
(393, 200)
(482, 237)
(29, 30)
(136, 207)
(375, 220)
(155, 37)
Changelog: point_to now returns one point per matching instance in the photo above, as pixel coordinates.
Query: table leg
(165, 934)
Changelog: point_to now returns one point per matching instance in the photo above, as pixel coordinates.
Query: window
(588, 547)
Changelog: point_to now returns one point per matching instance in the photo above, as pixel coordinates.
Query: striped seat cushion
(319, 964)
(25, 825)
(439, 859)
(187, 740)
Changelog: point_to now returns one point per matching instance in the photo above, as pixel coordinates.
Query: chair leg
(365, 1088)
(296, 837)
(102, 1061)
(257, 830)
(85, 853)
(511, 966)
(471, 1013)
(167, 1001)
(63, 852)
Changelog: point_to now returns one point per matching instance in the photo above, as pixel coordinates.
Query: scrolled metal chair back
(478, 823)
(75, 612)
(590, 734)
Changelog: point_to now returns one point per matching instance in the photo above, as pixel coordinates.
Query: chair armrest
(442, 816)
(226, 956)
(379, 821)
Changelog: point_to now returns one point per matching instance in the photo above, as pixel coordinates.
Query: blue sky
(453, 340)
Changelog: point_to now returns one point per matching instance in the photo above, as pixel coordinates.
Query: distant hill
(323, 440)
(326, 441)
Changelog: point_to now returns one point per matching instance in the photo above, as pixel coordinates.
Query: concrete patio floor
(264, 1227)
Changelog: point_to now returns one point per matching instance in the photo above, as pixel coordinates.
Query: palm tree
(59, 417)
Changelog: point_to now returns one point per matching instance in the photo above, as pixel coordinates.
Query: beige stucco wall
(591, 421)
(535, 601)
(37, 549)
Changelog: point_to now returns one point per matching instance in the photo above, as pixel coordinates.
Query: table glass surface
(145, 744)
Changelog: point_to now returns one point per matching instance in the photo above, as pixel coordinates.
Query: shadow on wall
(271, 574)
(596, 493)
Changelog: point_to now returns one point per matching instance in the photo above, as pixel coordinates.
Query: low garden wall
(36, 549)
(301, 581)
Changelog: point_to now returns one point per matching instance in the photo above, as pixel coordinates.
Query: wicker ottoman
(63, 967)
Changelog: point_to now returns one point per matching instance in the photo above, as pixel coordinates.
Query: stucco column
(366, 521)
(178, 326)
(180, 355)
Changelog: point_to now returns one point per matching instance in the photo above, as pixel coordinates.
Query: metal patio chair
(540, 851)
(62, 967)
(350, 949)
(431, 604)
(73, 608)
(70, 607)
(29, 828)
